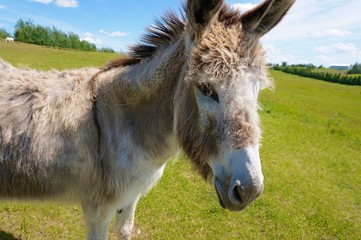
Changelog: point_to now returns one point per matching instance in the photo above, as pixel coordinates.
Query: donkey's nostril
(237, 193)
(243, 193)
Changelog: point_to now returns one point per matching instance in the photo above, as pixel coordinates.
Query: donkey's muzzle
(239, 195)
(240, 181)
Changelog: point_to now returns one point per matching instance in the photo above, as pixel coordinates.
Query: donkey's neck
(135, 104)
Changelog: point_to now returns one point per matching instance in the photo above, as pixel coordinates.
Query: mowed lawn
(311, 156)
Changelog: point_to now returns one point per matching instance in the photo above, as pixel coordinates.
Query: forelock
(227, 53)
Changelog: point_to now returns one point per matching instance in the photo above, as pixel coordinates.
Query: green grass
(311, 162)
(43, 58)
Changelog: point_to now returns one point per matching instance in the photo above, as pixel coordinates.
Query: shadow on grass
(7, 236)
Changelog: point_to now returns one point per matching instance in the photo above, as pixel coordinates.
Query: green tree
(356, 69)
(106, 50)
(24, 31)
(4, 34)
(28, 32)
(74, 41)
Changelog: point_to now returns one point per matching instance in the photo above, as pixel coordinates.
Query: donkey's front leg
(97, 219)
(124, 221)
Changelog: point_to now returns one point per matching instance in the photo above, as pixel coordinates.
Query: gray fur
(103, 137)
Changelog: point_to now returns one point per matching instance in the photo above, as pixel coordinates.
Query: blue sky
(315, 31)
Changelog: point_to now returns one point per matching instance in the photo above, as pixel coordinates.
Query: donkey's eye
(207, 90)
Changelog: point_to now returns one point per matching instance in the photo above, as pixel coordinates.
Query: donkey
(103, 137)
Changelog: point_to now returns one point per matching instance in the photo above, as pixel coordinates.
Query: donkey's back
(47, 133)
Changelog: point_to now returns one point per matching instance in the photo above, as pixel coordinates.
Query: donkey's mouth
(219, 197)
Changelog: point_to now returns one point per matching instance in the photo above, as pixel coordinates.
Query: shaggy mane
(161, 33)
(164, 31)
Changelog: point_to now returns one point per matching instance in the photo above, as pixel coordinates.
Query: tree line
(307, 71)
(28, 32)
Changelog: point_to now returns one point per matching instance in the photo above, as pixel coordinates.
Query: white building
(341, 66)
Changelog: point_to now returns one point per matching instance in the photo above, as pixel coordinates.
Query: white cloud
(60, 3)
(67, 3)
(42, 1)
(322, 58)
(307, 17)
(91, 39)
(337, 47)
(331, 33)
(96, 41)
(270, 49)
(284, 57)
(276, 55)
(340, 58)
(2, 6)
(243, 7)
(115, 34)
(87, 34)
(333, 26)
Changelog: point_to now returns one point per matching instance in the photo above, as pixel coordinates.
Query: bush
(108, 50)
(356, 69)
(306, 71)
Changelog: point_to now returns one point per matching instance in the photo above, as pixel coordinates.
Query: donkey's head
(217, 121)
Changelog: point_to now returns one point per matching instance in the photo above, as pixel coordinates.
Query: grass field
(43, 58)
(335, 71)
(311, 158)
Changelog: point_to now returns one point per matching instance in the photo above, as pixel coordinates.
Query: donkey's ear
(200, 14)
(265, 16)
